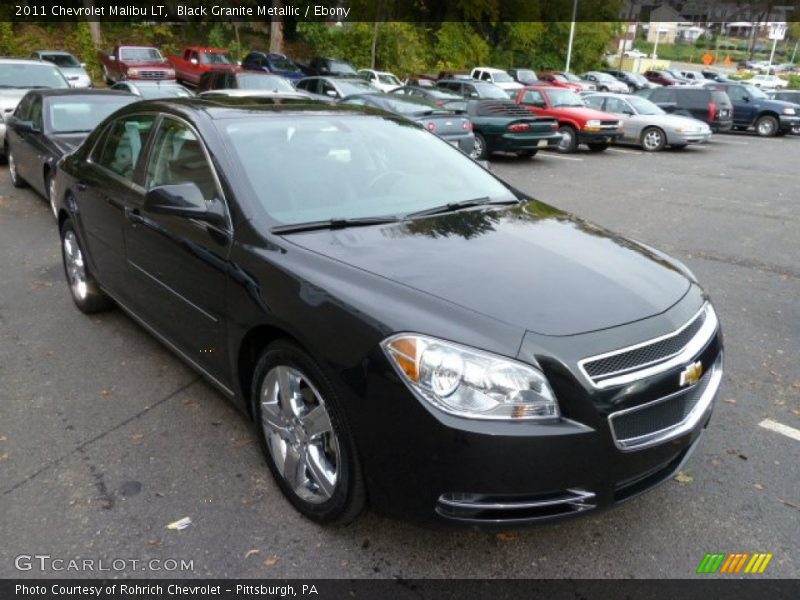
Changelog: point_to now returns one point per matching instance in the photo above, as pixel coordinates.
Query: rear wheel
(86, 293)
(767, 126)
(569, 139)
(653, 139)
(527, 153)
(598, 147)
(304, 437)
(479, 151)
(16, 180)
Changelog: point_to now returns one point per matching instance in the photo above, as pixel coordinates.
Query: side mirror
(22, 126)
(83, 65)
(183, 200)
(112, 57)
(332, 93)
(193, 61)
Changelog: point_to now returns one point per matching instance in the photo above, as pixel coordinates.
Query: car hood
(673, 121)
(9, 98)
(530, 265)
(581, 112)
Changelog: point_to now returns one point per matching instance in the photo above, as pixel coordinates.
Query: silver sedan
(647, 125)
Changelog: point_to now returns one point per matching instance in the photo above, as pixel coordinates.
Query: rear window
(694, 98)
(493, 108)
(720, 98)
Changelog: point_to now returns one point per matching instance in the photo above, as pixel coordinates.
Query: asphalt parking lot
(106, 437)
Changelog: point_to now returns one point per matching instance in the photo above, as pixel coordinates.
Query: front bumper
(425, 465)
(681, 138)
(516, 142)
(788, 122)
(599, 137)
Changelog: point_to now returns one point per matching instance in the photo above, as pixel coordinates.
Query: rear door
(178, 265)
(744, 111)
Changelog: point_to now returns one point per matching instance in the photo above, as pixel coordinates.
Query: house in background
(663, 26)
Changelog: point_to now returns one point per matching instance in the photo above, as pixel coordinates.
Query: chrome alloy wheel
(76, 269)
(566, 139)
(299, 434)
(477, 148)
(653, 140)
(766, 126)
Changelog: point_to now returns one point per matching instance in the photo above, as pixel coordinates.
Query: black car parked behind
(48, 124)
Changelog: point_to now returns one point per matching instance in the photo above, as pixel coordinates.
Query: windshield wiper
(456, 206)
(334, 223)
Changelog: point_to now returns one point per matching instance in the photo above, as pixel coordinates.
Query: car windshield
(526, 76)
(216, 58)
(489, 90)
(140, 54)
(338, 66)
(284, 64)
(675, 74)
(81, 114)
(150, 92)
(409, 106)
(572, 77)
(604, 77)
(274, 83)
(66, 61)
(355, 87)
(363, 166)
(388, 78)
(560, 78)
(502, 77)
(643, 106)
(564, 98)
(638, 78)
(28, 76)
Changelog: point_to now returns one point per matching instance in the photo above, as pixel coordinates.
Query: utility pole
(571, 33)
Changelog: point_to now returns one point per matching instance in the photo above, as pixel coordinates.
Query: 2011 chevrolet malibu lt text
(405, 329)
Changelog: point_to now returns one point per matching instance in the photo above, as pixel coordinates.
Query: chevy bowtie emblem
(692, 374)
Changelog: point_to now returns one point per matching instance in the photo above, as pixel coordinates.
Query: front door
(178, 265)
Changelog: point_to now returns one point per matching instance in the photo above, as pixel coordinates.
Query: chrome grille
(153, 74)
(666, 418)
(644, 359)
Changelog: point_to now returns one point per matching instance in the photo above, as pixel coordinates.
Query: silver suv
(17, 78)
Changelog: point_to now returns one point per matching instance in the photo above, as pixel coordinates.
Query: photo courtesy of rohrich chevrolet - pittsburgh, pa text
(400, 299)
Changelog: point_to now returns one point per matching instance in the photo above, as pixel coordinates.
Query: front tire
(304, 436)
(767, 126)
(86, 293)
(569, 139)
(16, 180)
(653, 139)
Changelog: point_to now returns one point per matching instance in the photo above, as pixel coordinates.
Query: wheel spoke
(321, 473)
(316, 422)
(288, 391)
(293, 468)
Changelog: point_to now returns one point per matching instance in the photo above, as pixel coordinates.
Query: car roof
(24, 61)
(58, 92)
(205, 49)
(62, 52)
(489, 69)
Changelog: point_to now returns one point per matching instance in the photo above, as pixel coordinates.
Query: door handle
(133, 215)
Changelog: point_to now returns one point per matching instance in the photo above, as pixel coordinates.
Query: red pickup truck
(134, 62)
(578, 124)
(196, 60)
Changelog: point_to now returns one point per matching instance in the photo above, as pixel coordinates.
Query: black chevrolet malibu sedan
(404, 328)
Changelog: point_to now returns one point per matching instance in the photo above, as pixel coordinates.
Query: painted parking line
(636, 152)
(561, 156)
(789, 432)
(736, 142)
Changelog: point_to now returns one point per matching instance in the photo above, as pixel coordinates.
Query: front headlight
(593, 123)
(468, 382)
(789, 111)
(170, 73)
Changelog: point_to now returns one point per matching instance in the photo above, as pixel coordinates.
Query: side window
(35, 115)
(532, 97)
(617, 106)
(326, 87)
(178, 157)
(594, 102)
(664, 95)
(469, 91)
(24, 108)
(737, 93)
(486, 76)
(122, 144)
(193, 55)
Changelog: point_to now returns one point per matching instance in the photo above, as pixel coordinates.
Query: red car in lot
(557, 79)
(196, 60)
(662, 78)
(578, 124)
